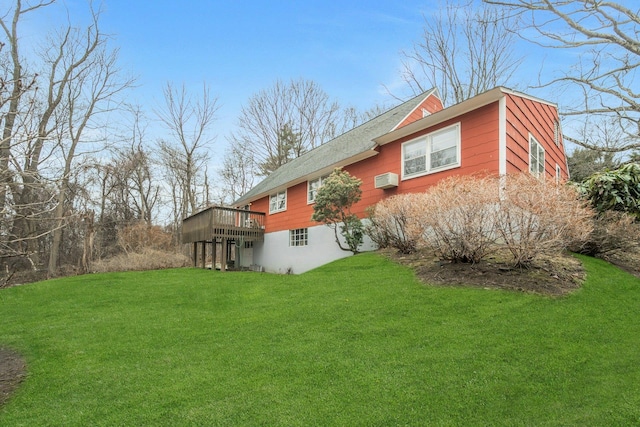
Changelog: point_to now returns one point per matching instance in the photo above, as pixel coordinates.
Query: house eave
(443, 115)
(454, 111)
(311, 175)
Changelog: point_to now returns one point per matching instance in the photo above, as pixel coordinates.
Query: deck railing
(223, 222)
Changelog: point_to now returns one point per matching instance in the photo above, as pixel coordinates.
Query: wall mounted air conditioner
(387, 180)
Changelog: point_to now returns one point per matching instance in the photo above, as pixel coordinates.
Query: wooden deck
(221, 225)
(222, 222)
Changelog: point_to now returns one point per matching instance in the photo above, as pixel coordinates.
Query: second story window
(436, 151)
(536, 157)
(312, 188)
(278, 202)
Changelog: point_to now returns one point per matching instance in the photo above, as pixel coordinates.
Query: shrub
(537, 216)
(140, 236)
(339, 192)
(394, 222)
(459, 218)
(147, 259)
(465, 218)
(617, 190)
(612, 231)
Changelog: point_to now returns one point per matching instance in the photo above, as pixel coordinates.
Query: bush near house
(394, 222)
(464, 219)
(540, 217)
(339, 192)
(615, 190)
(459, 216)
(615, 195)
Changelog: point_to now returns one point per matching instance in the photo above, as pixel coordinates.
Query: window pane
(536, 157)
(277, 202)
(541, 161)
(415, 165)
(298, 237)
(415, 157)
(444, 148)
(444, 157)
(313, 189)
(445, 139)
(416, 149)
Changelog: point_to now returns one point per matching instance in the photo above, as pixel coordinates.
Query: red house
(406, 149)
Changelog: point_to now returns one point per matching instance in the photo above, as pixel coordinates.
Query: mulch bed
(548, 275)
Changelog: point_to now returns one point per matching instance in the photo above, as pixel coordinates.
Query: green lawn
(357, 342)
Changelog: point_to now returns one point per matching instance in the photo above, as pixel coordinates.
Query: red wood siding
(526, 116)
(432, 104)
(479, 155)
(479, 131)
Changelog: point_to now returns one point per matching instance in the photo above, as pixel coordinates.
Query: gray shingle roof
(350, 144)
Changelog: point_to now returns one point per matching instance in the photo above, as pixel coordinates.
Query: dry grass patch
(148, 259)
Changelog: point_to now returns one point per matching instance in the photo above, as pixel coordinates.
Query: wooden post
(204, 253)
(214, 253)
(223, 261)
(195, 254)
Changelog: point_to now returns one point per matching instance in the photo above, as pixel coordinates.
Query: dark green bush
(615, 190)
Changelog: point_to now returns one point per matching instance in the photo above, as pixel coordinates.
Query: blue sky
(238, 48)
(351, 49)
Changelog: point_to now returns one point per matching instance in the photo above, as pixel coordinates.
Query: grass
(356, 342)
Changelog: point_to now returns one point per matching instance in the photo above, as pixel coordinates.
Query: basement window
(299, 237)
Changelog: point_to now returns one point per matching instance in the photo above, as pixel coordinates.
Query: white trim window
(558, 173)
(299, 237)
(313, 186)
(278, 202)
(536, 157)
(434, 152)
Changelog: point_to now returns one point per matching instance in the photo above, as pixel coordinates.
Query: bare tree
(237, 172)
(136, 163)
(15, 84)
(185, 152)
(46, 115)
(300, 109)
(90, 82)
(603, 38)
(464, 51)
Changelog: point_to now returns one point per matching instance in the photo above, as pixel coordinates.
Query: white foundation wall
(275, 255)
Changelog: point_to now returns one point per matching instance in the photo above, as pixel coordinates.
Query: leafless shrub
(140, 236)
(537, 217)
(394, 222)
(612, 231)
(148, 259)
(459, 218)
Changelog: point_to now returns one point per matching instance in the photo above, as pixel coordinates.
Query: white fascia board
(502, 136)
(414, 109)
(443, 115)
(529, 97)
